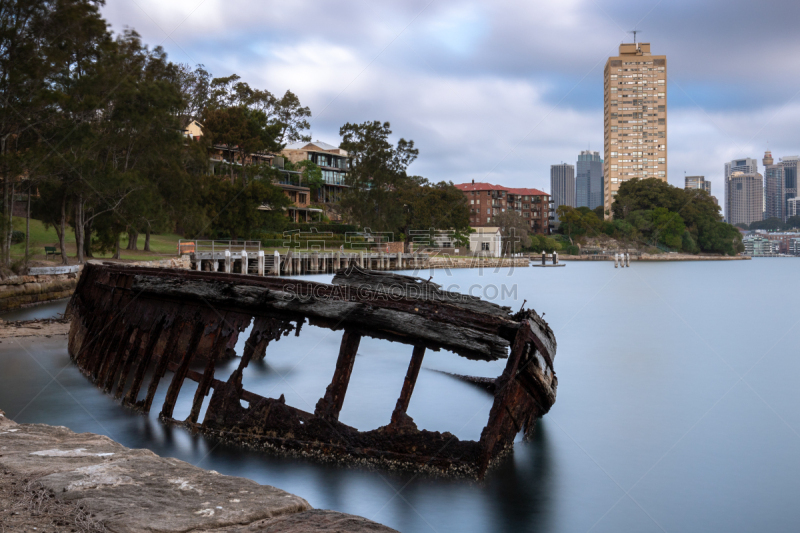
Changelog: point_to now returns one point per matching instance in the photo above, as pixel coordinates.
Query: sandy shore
(34, 328)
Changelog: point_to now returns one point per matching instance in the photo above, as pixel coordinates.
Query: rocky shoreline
(55, 480)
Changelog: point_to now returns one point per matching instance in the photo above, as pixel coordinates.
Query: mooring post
(261, 262)
(616, 260)
(329, 406)
(214, 263)
(227, 261)
(408, 384)
(314, 262)
(245, 267)
(627, 259)
(276, 265)
(361, 259)
(287, 263)
(555, 257)
(399, 260)
(544, 258)
(198, 265)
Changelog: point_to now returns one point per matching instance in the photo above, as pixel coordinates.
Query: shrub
(572, 250)
(17, 237)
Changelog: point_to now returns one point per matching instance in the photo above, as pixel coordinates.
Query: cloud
(500, 91)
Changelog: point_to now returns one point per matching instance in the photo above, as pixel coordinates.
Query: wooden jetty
(247, 257)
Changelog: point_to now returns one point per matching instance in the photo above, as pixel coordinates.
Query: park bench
(50, 250)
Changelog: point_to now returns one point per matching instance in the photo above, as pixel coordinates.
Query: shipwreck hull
(130, 322)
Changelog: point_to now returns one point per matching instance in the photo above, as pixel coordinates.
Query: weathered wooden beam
(436, 325)
(329, 406)
(408, 384)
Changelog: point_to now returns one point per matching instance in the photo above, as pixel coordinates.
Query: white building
(486, 241)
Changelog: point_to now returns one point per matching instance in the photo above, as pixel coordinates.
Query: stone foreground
(131, 490)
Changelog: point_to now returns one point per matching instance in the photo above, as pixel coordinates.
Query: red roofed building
(486, 200)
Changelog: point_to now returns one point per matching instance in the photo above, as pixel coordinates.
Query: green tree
(514, 230)
(426, 205)
(377, 169)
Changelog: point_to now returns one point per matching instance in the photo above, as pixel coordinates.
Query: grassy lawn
(164, 245)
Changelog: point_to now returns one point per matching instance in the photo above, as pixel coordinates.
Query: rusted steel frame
(512, 404)
(105, 358)
(329, 406)
(175, 330)
(246, 395)
(115, 358)
(408, 384)
(131, 355)
(144, 362)
(95, 358)
(225, 332)
(180, 374)
(92, 321)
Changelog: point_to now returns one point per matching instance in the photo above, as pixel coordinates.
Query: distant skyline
(482, 94)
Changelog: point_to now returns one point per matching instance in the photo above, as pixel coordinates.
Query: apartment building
(635, 117)
(487, 201)
(331, 160)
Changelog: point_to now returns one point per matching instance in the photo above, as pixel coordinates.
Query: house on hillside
(332, 161)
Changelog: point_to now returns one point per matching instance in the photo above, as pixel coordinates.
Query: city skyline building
(744, 198)
(745, 166)
(589, 180)
(774, 188)
(562, 185)
(780, 185)
(635, 117)
(697, 182)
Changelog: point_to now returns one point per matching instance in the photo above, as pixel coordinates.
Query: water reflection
(646, 404)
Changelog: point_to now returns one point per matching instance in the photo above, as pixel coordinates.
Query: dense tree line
(383, 197)
(91, 124)
(773, 224)
(654, 213)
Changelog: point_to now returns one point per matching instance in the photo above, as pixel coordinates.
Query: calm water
(677, 407)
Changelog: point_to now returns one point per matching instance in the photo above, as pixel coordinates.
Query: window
(485, 245)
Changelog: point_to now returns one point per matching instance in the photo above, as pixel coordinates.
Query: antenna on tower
(634, 32)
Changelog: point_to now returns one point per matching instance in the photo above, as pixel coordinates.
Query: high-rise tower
(635, 117)
(589, 180)
(562, 185)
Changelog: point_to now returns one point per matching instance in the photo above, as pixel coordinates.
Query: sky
(499, 91)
